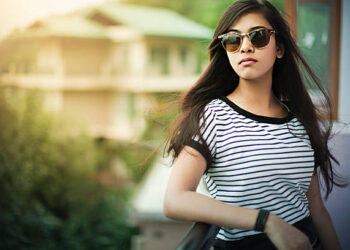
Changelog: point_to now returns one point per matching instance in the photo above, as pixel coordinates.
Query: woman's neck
(257, 96)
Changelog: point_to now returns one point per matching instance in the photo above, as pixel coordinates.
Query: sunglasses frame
(242, 35)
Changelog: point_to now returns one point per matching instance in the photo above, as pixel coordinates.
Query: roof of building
(64, 26)
(148, 21)
(153, 21)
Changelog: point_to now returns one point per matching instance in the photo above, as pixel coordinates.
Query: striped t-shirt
(257, 162)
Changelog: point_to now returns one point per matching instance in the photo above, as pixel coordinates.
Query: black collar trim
(259, 118)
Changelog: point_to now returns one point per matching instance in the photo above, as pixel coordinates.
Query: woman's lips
(246, 63)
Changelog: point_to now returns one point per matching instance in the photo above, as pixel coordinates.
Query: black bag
(199, 237)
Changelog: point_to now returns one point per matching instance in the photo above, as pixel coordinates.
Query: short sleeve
(207, 126)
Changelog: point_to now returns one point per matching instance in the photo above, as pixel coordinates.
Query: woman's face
(265, 57)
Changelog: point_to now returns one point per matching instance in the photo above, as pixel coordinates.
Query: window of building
(131, 105)
(125, 59)
(316, 24)
(183, 56)
(159, 58)
(121, 60)
(313, 34)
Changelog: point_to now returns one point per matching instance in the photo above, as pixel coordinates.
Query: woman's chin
(253, 75)
(250, 76)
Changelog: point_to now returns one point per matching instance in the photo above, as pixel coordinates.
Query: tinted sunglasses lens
(231, 42)
(259, 38)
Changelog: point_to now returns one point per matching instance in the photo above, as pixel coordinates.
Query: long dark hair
(288, 84)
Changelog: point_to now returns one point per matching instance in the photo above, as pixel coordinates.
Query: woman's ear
(280, 50)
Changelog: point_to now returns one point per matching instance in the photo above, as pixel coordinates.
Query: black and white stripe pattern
(258, 162)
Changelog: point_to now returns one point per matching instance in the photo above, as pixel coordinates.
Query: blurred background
(88, 89)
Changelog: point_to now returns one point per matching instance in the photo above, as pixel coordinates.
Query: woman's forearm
(192, 206)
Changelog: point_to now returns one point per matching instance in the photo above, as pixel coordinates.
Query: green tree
(49, 194)
(206, 12)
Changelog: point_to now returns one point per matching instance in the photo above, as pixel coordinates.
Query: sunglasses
(232, 41)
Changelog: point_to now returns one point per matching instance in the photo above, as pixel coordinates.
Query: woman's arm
(320, 217)
(183, 203)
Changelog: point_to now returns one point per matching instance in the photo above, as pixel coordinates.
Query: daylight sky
(19, 13)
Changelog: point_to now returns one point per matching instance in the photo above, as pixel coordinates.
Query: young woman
(249, 126)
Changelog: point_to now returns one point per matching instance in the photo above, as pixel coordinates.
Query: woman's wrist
(271, 223)
(261, 220)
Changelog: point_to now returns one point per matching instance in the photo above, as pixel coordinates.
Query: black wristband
(261, 220)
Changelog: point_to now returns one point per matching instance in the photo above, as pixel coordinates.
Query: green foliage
(135, 155)
(206, 12)
(49, 194)
(279, 4)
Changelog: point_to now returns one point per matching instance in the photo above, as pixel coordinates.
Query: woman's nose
(246, 45)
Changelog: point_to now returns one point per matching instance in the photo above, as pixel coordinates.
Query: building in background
(103, 64)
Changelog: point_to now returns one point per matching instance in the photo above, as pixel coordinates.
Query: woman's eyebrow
(253, 28)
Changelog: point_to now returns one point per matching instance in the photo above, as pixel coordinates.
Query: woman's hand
(285, 236)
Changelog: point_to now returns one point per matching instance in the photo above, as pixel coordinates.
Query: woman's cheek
(233, 62)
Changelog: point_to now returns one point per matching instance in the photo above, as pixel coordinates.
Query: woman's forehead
(247, 21)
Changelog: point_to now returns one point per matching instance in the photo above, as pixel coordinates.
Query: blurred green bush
(49, 194)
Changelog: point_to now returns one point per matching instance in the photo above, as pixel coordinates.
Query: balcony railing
(124, 83)
(199, 237)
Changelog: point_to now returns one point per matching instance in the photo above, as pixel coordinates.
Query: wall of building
(93, 108)
(49, 57)
(338, 203)
(180, 56)
(85, 57)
